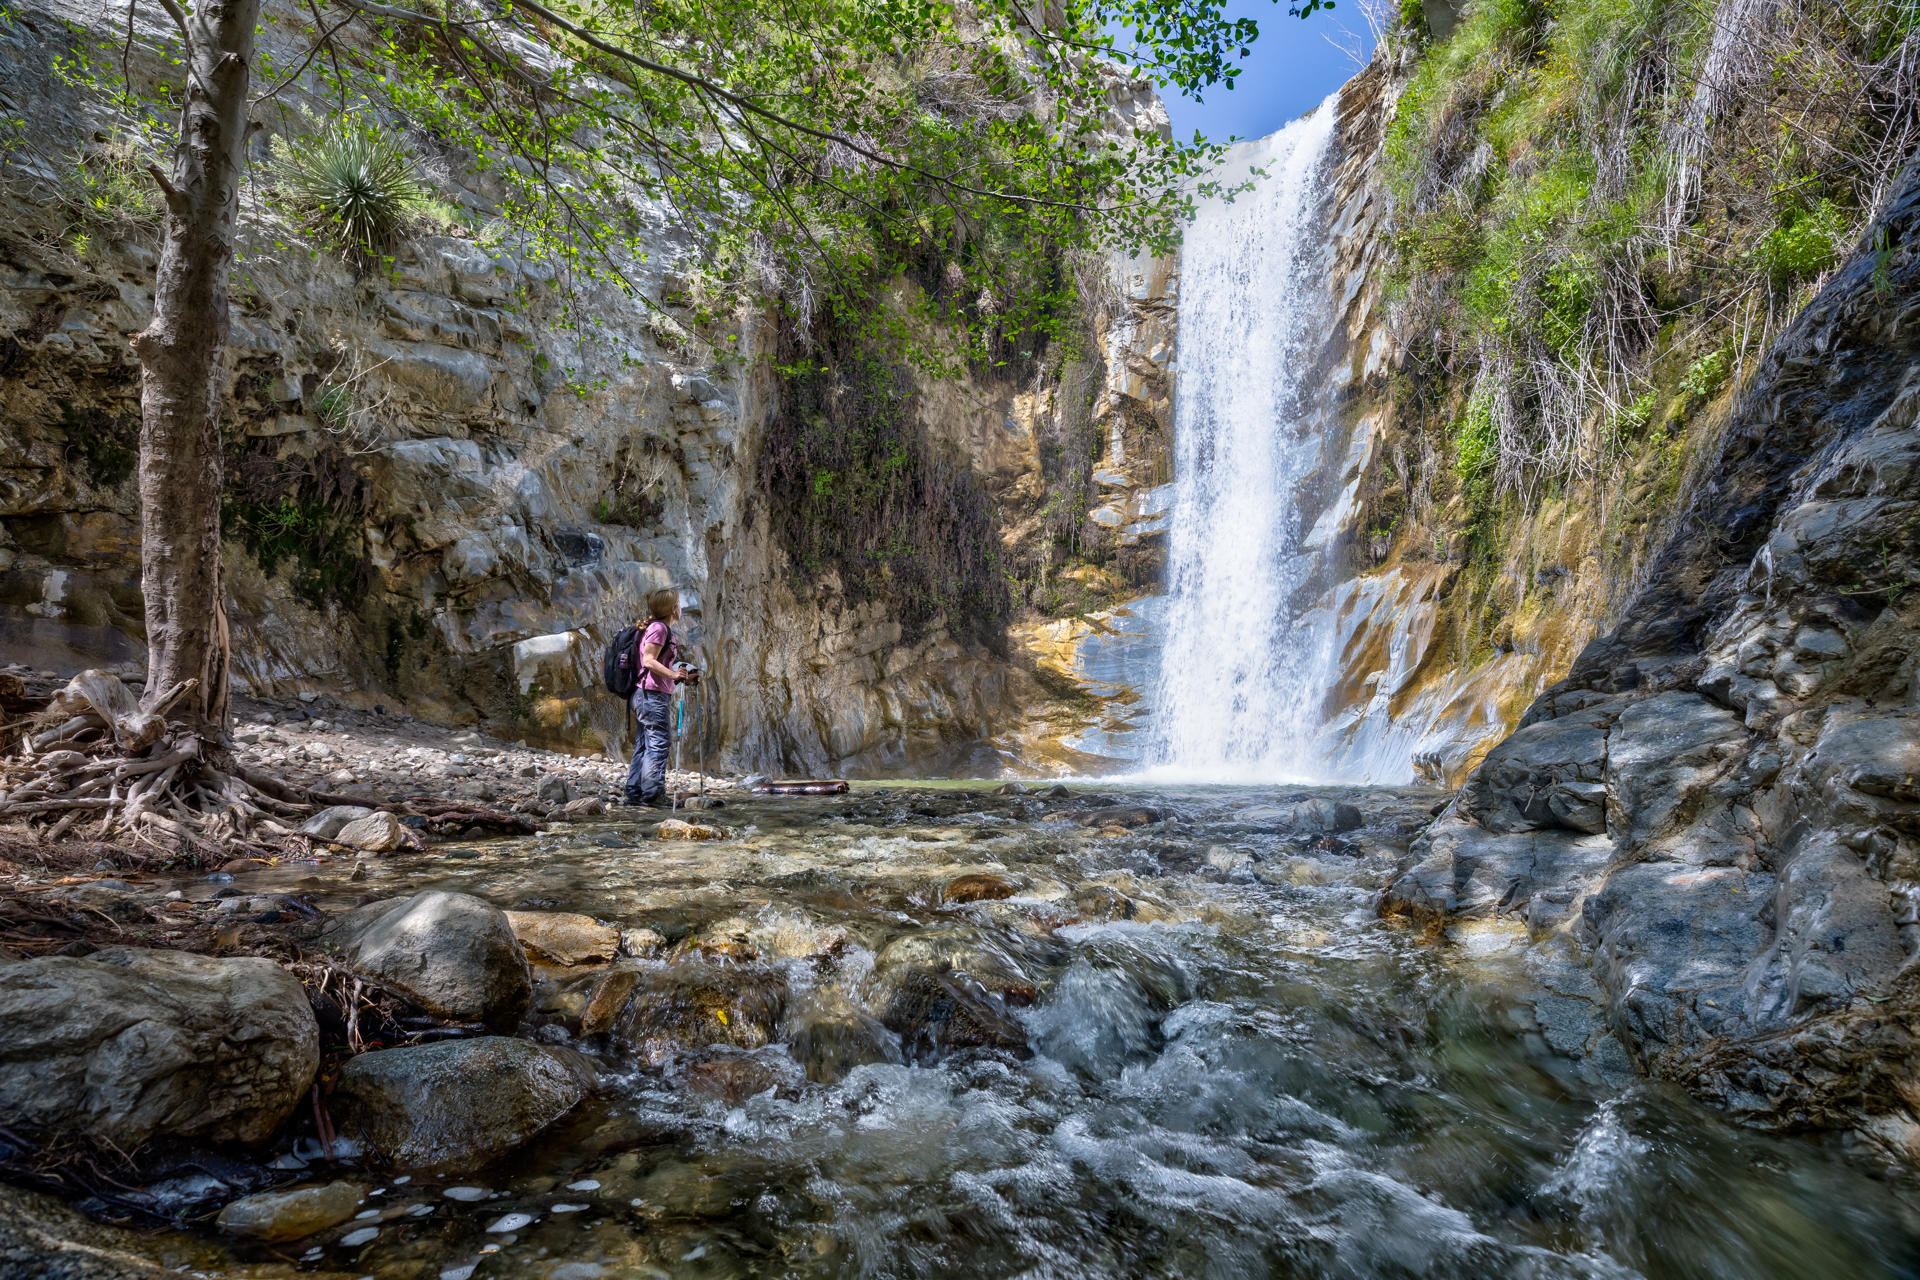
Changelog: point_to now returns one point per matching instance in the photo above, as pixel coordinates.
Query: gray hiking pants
(647, 774)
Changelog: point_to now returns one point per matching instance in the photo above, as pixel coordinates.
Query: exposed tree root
(94, 764)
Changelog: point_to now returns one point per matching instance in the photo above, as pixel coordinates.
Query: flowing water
(1182, 1045)
(1246, 671)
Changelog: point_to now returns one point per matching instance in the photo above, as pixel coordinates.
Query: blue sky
(1291, 69)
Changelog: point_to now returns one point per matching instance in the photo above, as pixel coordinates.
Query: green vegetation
(864, 504)
(1805, 243)
(1603, 211)
(303, 512)
(1577, 191)
(353, 183)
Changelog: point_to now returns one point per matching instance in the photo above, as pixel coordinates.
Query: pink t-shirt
(661, 634)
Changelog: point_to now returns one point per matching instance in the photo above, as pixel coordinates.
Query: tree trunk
(183, 368)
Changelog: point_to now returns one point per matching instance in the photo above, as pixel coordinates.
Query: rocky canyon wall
(1714, 814)
(441, 496)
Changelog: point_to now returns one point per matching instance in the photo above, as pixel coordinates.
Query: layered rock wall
(1717, 809)
(443, 497)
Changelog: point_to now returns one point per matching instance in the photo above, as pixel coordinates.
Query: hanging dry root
(95, 763)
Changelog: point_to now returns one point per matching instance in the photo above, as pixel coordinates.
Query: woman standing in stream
(652, 700)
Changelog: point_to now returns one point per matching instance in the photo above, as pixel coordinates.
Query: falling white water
(1245, 667)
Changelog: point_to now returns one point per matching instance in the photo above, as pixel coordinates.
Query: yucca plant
(354, 183)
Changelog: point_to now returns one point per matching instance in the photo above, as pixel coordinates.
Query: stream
(1236, 1068)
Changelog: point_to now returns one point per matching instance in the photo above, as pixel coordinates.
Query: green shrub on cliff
(1806, 242)
(1580, 183)
(353, 183)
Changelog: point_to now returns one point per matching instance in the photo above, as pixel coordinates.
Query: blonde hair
(662, 603)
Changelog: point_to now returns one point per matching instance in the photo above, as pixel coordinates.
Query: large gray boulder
(450, 953)
(458, 1105)
(129, 1045)
(1548, 774)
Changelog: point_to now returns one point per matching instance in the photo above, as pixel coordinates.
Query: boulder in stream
(329, 822)
(378, 832)
(293, 1213)
(130, 1044)
(695, 1004)
(450, 953)
(564, 937)
(937, 1013)
(681, 829)
(978, 886)
(456, 1106)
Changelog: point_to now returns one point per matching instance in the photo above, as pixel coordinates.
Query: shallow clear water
(1236, 1069)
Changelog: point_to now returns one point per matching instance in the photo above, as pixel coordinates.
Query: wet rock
(733, 1076)
(642, 942)
(289, 1215)
(607, 998)
(450, 953)
(1229, 861)
(1462, 870)
(980, 886)
(1549, 774)
(378, 832)
(584, 807)
(1663, 753)
(680, 829)
(694, 1004)
(1010, 789)
(1125, 816)
(456, 1106)
(563, 938)
(129, 1044)
(961, 951)
(1307, 814)
(936, 1014)
(830, 1043)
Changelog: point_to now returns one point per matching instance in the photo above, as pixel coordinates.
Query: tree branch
(703, 85)
(305, 62)
(179, 17)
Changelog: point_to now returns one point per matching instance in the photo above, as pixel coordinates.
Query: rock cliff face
(1716, 811)
(442, 498)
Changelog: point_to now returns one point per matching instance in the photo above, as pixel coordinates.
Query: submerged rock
(681, 829)
(935, 1014)
(1122, 815)
(129, 1045)
(829, 1043)
(289, 1215)
(979, 886)
(607, 999)
(455, 1106)
(564, 938)
(1314, 815)
(450, 953)
(696, 1003)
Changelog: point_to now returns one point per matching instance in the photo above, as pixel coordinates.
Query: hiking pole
(703, 740)
(679, 732)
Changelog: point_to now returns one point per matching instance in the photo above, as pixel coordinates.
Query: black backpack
(620, 669)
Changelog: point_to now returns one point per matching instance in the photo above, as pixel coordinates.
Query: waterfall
(1246, 664)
